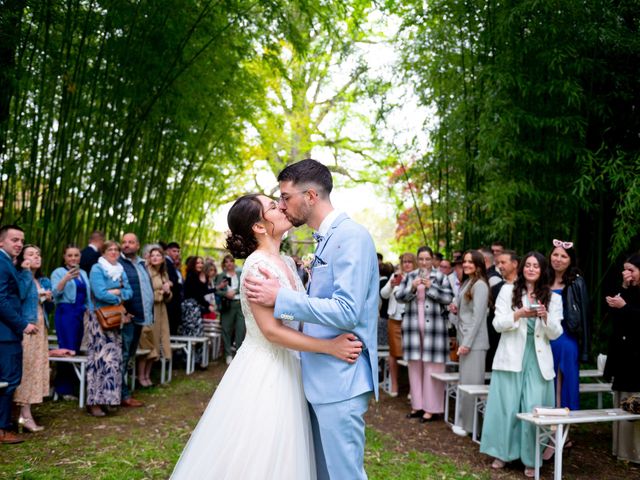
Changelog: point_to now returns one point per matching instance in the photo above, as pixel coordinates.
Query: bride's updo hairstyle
(243, 215)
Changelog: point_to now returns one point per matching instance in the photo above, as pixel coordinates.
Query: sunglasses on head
(560, 243)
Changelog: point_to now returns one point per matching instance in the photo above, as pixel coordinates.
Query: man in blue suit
(12, 326)
(342, 297)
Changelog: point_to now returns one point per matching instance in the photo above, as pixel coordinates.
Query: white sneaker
(459, 431)
(229, 359)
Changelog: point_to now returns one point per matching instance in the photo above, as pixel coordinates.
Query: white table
(79, 363)
(480, 393)
(189, 350)
(550, 430)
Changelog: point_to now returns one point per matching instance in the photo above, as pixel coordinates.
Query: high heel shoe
(415, 414)
(29, 425)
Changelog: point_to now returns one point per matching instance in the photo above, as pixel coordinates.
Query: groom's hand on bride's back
(262, 291)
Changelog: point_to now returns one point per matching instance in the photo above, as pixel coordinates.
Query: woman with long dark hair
(623, 357)
(528, 316)
(470, 308)
(573, 345)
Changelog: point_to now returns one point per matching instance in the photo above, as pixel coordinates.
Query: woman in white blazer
(528, 316)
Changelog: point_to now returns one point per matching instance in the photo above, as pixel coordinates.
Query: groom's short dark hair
(308, 171)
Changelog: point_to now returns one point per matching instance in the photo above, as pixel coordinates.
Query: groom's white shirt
(327, 222)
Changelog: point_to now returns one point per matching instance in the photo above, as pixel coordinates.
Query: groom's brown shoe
(9, 437)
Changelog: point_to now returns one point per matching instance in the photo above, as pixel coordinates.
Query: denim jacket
(30, 298)
(101, 283)
(68, 293)
(141, 303)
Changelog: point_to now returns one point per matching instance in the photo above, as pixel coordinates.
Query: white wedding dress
(256, 425)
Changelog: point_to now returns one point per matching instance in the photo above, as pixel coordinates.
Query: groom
(342, 297)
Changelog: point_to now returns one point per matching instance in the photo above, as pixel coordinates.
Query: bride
(257, 425)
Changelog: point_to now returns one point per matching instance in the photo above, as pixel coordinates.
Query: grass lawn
(145, 443)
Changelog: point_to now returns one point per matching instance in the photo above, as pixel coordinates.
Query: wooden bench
(79, 363)
(480, 393)
(550, 430)
(189, 349)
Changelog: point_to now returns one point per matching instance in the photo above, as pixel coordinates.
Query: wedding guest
(174, 307)
(425, 292)
(210, 273)
(492, 274)
(231, 318)
(385, 272)
(110, 286)
(470, 308)
(35, 290)
(72, 294)
(139, 306)
(573, 345)
(437, 260)
(455, 277)
(624, 356)
(12, 327)
(395, 311)
(445, 267)
(156, 337)
(507, 264)
(91, 253)
(528, 316)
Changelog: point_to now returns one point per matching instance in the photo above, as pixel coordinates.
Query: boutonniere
(307, 261)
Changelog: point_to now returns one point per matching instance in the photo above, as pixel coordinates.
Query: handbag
(631, 404)
(111, 316)
(453, 349)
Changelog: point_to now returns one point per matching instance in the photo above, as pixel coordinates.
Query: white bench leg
(205, 354)
(190, 366)
(83, 381)
(557, 467)
(537, 461)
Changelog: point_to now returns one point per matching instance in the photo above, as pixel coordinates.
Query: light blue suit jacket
(342, 297)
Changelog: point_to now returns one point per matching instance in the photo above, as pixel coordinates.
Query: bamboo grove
(130, 115)
(537, 124)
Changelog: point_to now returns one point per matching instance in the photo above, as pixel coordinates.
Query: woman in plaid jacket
(426, 293)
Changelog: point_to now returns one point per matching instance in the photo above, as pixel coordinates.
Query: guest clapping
(35, 290)
(110, 286)
(470, 308)
(528, 315)
(426, 292)
(624, 356)
(72, 294)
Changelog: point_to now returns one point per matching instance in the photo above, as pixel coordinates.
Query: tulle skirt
(256, 425)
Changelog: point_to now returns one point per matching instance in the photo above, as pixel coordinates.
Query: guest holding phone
(35, 292)
(72, 295)
(395, 311)
(528, 316)
(426, 293)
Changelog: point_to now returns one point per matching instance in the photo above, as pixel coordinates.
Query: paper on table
(551, 412)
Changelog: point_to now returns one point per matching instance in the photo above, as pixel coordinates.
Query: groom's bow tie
(317, 237)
